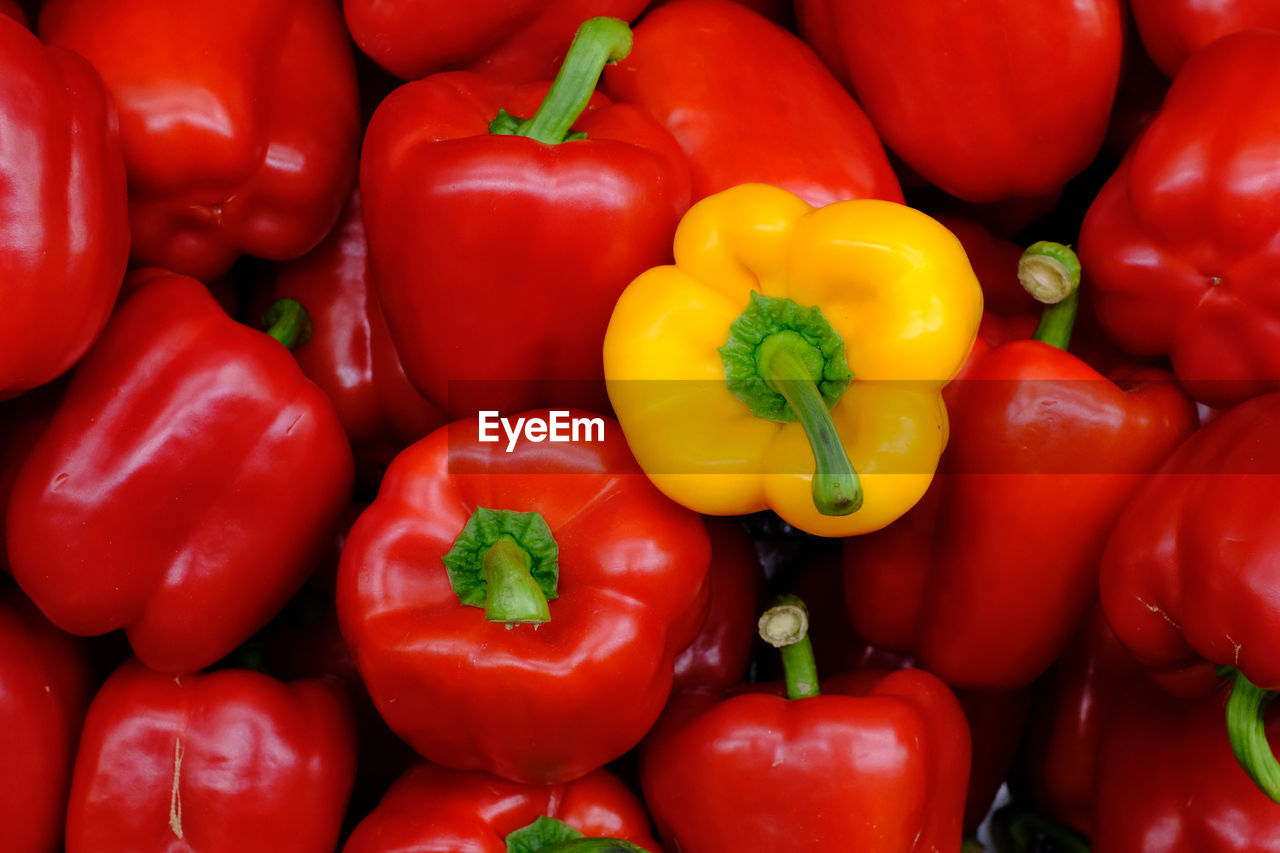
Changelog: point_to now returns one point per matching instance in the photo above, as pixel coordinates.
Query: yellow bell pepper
(780, 329)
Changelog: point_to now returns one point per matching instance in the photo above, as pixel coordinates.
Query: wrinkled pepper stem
(288, 322)
(836, 487)
(1051, 273)
(785, 626)
(598, 42)
(506, 562)
(513, 596)
(1246, 729)
(1017, 829)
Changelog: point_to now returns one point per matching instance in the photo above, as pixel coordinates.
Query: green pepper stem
(1020, 828)
(288, 322)
(1051, 273)
(594, 845)
(971, 845)
(836, 487)
(512, 595)
(1057, 322)
(598, 41)
(785, 626)
(1246, 729)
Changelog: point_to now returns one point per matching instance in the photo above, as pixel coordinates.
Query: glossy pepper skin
(986, 579)
(1187, 574)
(1168, 783)
(231, 760)
(988, 101)
(871, 268)
(254, 153)
(61, 178)
(432, 809)
(516, 42)
(46, 685)
(700, 67)
(1172, 30)
(1069, 717)
(538, 703)
(184, 487)
(22, 420)
(349, 353)
(875, 764)
(1181, 242)
(718, 657)
(514, 240)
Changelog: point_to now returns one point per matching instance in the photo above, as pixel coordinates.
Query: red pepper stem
(836, 487)
(288, 322)
(785, 626)
(598, 41)
(1051, 273)
(1246, 729)
(1018, 829)
(512, 594)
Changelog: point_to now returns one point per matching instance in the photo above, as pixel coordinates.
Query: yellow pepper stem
(836, 487)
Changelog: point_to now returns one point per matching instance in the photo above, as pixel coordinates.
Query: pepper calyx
(506, 562)
(772, 322)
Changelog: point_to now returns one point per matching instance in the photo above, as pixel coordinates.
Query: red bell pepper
(64, 238)
(987, 100)
(432, 808)
(996, 718)
(1167, 782)
(512, 232)
(1189, 573)
(718, 657)
(1068, 719)
(185, 486)
(516, 41)
(305, 642)
(748, 101)
(11, 9)
(239, 122)
(1172, 30)
(875, 763)
(447, 597)
(232, 760)
(22, 420)
(349, 353)
(985, 580)
(1183, 241)
(45, 685)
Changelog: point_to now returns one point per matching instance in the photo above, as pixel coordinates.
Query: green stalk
(594, 845)
(1246, 729)
(288, 322)
(512, 595)
(598, 42)
(1051, 273)
(835, 486)
(785, 626)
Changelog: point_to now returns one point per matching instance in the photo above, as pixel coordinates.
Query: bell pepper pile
(605, 425)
